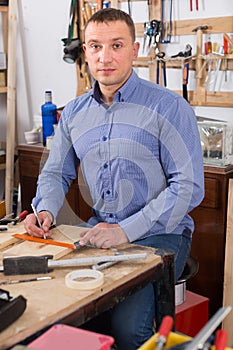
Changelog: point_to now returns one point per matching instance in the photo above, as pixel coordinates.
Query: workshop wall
(40, 66)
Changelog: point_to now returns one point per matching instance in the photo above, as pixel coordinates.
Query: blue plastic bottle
(49, 116)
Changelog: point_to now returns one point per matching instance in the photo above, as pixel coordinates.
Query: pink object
(62, 337)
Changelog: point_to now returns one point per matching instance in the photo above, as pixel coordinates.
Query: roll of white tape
(97, 279)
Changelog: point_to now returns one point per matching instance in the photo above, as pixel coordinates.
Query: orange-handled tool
(164, 331)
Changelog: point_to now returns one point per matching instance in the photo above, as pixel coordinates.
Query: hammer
(205, 27)
(199, 31)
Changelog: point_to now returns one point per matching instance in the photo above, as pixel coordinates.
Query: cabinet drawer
(211, 199)
(31, 166)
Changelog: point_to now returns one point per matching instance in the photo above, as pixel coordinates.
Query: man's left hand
(104, 235)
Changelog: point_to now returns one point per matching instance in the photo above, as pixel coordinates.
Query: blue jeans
(131, 321)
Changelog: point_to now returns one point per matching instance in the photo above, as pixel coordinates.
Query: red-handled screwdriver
(164, 330)
(220, 339)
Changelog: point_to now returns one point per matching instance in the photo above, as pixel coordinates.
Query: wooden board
(6, 238)
(63, 233)
(228, 273)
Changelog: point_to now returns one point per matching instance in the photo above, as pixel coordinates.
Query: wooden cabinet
(210, 218)
(31, 161)
(210, 235)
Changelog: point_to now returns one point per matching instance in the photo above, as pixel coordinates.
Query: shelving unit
(198, 97)
(9, 24)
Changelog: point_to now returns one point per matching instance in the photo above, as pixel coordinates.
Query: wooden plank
(11, 92)
(6, 238)
(228, 271)
(215, 25)
(185, 27)
(63, 233)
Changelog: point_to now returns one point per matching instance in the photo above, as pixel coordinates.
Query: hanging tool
(199, 340)
(152, 30)
(202, 28)
(221, 53)
(24, 265)
(164, 330)
(191, 5)
(166, 24)
(186, 54)
(14, 221)
(161, 61)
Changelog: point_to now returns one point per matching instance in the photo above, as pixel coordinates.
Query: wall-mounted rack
(198, 97)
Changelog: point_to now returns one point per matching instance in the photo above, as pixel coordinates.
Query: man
(139, 149)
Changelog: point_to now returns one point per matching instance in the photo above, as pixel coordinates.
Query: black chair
(190, 270)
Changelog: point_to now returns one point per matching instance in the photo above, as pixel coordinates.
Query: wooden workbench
(51, 301)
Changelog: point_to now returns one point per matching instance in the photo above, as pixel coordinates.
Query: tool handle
(22, 215)
(164, 330)
(220, 339)
(166, 326)
(23, 265)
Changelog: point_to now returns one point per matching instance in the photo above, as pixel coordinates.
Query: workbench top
(51, 301)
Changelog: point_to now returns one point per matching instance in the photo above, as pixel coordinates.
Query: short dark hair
(111, 15)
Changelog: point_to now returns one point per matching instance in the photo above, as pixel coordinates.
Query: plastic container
(217, 142)
(173, 339)
(62, 337)
(49, 116)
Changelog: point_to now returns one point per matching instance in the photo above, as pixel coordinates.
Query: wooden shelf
(3, 89)
(3, 8)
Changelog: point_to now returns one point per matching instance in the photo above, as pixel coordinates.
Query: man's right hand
(31, 226)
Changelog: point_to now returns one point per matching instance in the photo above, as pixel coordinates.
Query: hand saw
(74, 245)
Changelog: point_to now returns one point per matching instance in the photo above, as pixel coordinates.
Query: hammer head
(200, 28)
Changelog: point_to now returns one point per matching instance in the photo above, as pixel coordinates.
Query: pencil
(37, 218)
(41, 278)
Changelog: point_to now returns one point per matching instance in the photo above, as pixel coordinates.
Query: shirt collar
(122, 94)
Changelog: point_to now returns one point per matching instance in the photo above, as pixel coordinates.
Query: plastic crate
(62, 337)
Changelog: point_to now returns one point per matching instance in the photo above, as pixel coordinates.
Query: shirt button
(105, 165)
(108, 192)
(104, 138)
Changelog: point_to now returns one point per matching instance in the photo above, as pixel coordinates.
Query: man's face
(109, 52)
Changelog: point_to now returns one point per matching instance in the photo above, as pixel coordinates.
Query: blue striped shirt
(141, 159)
